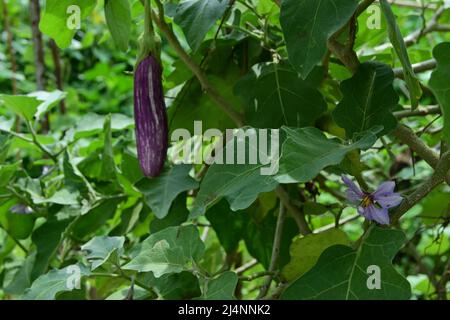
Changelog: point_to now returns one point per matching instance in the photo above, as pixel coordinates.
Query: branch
(257, 275)
(417, 67)
(9, 46)
(436, 179)
(246, 266)
(58, 72)
(421, 111)
(35, 12)
(295, 212)
(275, 251)
(411, 4)
(194, 67)
(430, 27)
(408, 137)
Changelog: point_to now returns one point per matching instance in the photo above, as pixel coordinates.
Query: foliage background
(71, 192)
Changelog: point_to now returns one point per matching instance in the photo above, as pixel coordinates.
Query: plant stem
(38, 144)
(407, 136)
(275, 251)
(295, 212)
(194, 67)
(436, 179)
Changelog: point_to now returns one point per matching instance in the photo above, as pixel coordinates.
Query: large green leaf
(307, 25)
(178, 214)
(306, 250)
(92, 123)
(24, 106)
(239, 184)
(60, 17)
(118, 18)
(174, 286)
(221, 288)
(102, 249)
(48, 101)
(369, 97)
(440, 84)
(168, 251)
(160, 192)
(346, 274)
(259, 235)
(49, 285)
(398, 43)
(307, 151)
(47, 239)
(22, 278)
(196, 17)
(275, 95)
(95, 218)
(229, 226)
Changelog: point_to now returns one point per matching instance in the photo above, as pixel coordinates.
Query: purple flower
(373, 206)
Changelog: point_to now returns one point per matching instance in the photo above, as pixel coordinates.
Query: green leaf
(91, 124)
(128, 220)
(24, 106)
(118, 19)
(160, 192)
(49, 100)
(275, 95)
(178, 214)
(398, 43)
(175, 286)
(307, 151)
(95, 218)
(369, 97)
(305, 251)
(47, 239)
(440, 85)
(62, 196)
(168, 251)
(436, 206)
(221, 288)
(130, 167)
(240, 184)
(102, 249)
(22, 278)
(259, 235)
(61, 18)
(196, 17)
(7, 171)
(229, 226)
(49, 285)
(342, 273)
(307, 25)
(73, 178)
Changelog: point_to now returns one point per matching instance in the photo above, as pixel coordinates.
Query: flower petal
(389, 200)
(354, 194)
(384, 188)
(379, 215)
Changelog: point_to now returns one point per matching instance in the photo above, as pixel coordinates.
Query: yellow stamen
(366, 201)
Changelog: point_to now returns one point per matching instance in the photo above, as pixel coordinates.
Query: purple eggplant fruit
(150, 117)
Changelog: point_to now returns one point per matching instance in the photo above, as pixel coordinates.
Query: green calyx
(149, 41)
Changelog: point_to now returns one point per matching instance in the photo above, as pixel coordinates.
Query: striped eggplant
(150, 117)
